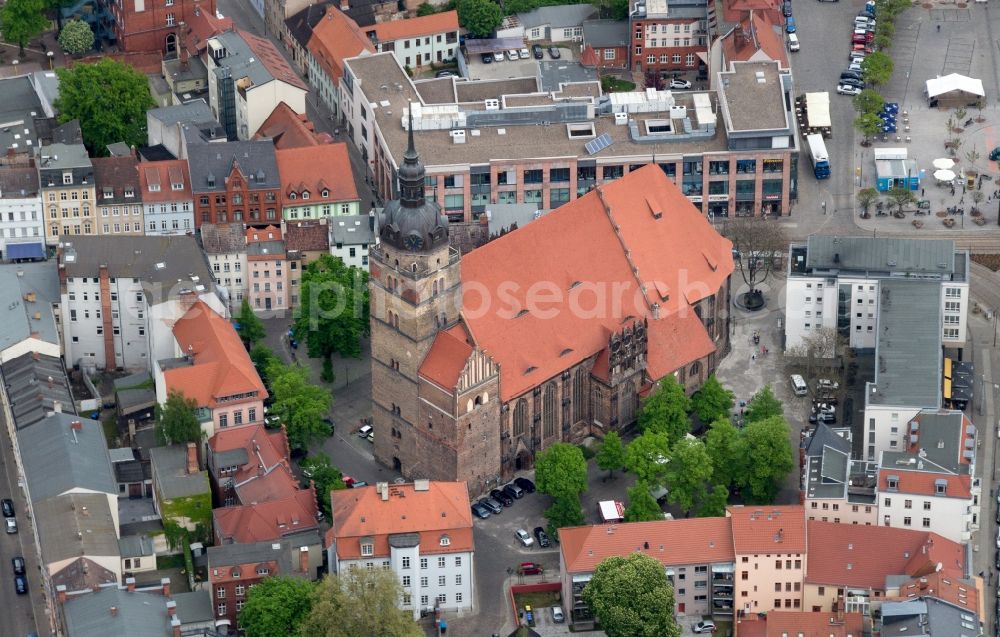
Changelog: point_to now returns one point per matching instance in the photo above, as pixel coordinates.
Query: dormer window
(445, 540)
(940, 487)
(152, 188)
(263, 570)
(108, 193)
(292, 196)
(325, 193)
(129, 192)
(305, 194)
(176, 186)
(892, 483)
(67, 178)
(367, 549)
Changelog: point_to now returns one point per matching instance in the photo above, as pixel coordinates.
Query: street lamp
(50, 55)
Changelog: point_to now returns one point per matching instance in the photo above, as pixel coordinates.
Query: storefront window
(533, 176)
(612, 172)
(718, 167)
(746, 166)
(558, 196)
(773, 165)
(718, 187)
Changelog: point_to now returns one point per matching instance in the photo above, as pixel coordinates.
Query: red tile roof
(164, 173)
(781, 623)
(924, 482)
(432, 24)
(316, 169)
(267, 520)
(637, 232)
(862, 556)
(754, 33)
(446, 359)
(768, 529)
(307, 236)
(672, 542)
(441, 509)
(267, 475)
(336, 38)
(221, 366)
(288, 129)
(202, 26)
(273, 60)
(948, 588)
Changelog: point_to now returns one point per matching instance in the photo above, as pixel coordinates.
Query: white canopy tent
(954, 89)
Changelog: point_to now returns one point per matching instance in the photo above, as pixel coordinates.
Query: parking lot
(510, 69)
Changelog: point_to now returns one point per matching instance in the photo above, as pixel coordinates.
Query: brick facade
(150, 25)
(241, 202)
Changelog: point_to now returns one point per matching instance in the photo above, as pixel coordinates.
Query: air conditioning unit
(457, 136)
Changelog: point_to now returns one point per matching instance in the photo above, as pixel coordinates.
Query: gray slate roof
(32, 396)
(908, 345)
(940, 435)
(137, 257)
(194, 607)
(256, 160)
(18, 182)
(563, 15)
(824, 436)
(223, 238)
(868, 254)
(240, 60)
(606, 33)
(62, 156)
(170, 473)
(17, 314)
(140, 614)
(20, 105)
(57, 458)
(75, 525)
(135, 546)
(194, 111)
(281, 551)
(352, 230)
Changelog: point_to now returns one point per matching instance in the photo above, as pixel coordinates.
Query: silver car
(523, 537)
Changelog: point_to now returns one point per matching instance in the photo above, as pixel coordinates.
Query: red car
(529, 568)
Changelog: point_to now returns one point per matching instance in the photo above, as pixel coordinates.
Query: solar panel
(595, 146)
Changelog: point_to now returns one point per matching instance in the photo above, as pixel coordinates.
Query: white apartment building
(351, 237)
(422, 531)
(166, 197)
(114, 289)
(835, 283)
(928, 481)
(20, 213)
(420, 41)
(225, 247)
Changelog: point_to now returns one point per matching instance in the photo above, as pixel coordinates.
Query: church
(548, 334)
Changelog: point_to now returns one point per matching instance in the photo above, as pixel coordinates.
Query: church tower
(414, 291)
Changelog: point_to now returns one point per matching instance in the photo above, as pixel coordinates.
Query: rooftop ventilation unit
(457, 136)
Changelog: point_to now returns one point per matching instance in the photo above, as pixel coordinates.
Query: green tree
(712, 401)
(109, 98)
(425, 9)
(358, 602)
(276, 606)
(57, 5)
(479, 17)
(866, 197)
(561, 471)
(325, 476)
(76, 37)
(647, 457)
(176, 422)
(631, 597)
(688, 473)
(251, 327)
(666, 410)
(333, 313)
(619, 9)
(262, 356)
(641, 505)
(767, 450)
(869, 125)
(712, 503)
(21, 20)
(877, 68)
(564, 512)
(722, 445)
(868, 101)
(611, 453)
(300, 404)
(763, 405)
(901, 197)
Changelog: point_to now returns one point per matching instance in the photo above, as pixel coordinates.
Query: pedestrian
(921, 192)
(754, 357)
(963, 189)
(939, 28)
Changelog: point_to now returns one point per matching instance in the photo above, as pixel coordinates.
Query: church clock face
(413, 241)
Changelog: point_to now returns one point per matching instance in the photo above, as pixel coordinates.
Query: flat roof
(882, 254)
(752, 104)
(28, 292)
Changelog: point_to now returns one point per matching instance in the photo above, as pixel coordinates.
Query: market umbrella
(944, 175)
(944, 163)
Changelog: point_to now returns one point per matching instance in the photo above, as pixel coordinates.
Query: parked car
(823, 417)
(854, 75)
(524, 54)
(514, 491)
(704, 626)
(554, 52)
(680, 84)
(826, 383)
(847, 89)
(8, 507)
(557, 615)
(529, 487)
(21, 584)
(998, 538)
(855, 66)
(11, 526)
(537, 51)
(371, 436)
(513, 55)
(498, 56)
(850, 81)
(18, 564)
(364, 431)
(997, 560)
(272, 422)
(786, 8)
(529, 568)
(501, 497)
(523, 537)
(444, 74)
(480, 511)
(994, 156)
(486, 58)
(542, 537)
(790, 25)
(491, 505)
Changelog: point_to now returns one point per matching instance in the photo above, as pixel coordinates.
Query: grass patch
(541, 599)
(110, 426)
(169, 561)
(612, 84)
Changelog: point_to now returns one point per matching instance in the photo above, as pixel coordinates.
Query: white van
(364, 431)
(793, 42)
(799, 386)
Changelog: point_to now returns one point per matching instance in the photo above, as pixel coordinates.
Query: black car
(786, 8)
(524, 483)
(554, 52)
(537, 51)
(8, 507)
(21, 584)
(18, 563)
(487, 58)
(542, 537)
(480, 511)
(850, 81)
(998, 560)
(491, 505)
(501, 497)
(852, 74)
(513, 491)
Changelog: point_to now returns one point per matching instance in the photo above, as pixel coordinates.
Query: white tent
(818, 110)
(942, 85)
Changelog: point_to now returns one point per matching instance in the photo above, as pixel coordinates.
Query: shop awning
(25, 251)
(947, 367)
(947, 389)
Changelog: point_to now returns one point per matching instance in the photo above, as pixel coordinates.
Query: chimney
(114, 611)
(345, 5)
(76, 425)
(61, 593)
(130, 584)
(175, 627)
(304, 559)
(192, 458)
(57, 406)
(171, 608)
(165, 585)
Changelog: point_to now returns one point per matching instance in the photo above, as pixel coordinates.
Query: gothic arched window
(520, 417)
(579, 383)
(549, 411)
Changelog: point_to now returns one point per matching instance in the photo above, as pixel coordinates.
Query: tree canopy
(687, 473)
(722, 446)
(276, 606)
(333, 313)
(868, 124)
(176, 422)
(642, 507)
(877, 68)
(763, 405)
(712, 401)
(767, 451)
(561, 471)
(251, 327)
(755, 240)
(21, 20)
(665, 410)
(109, 98)
(611, 453)
(632, 597)
(76, 37)
(868, 101)
(713, 502)
(325, 476)
(479, 17)
(565, 511)
(300, 404)
(358, 602)
(647, 457)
